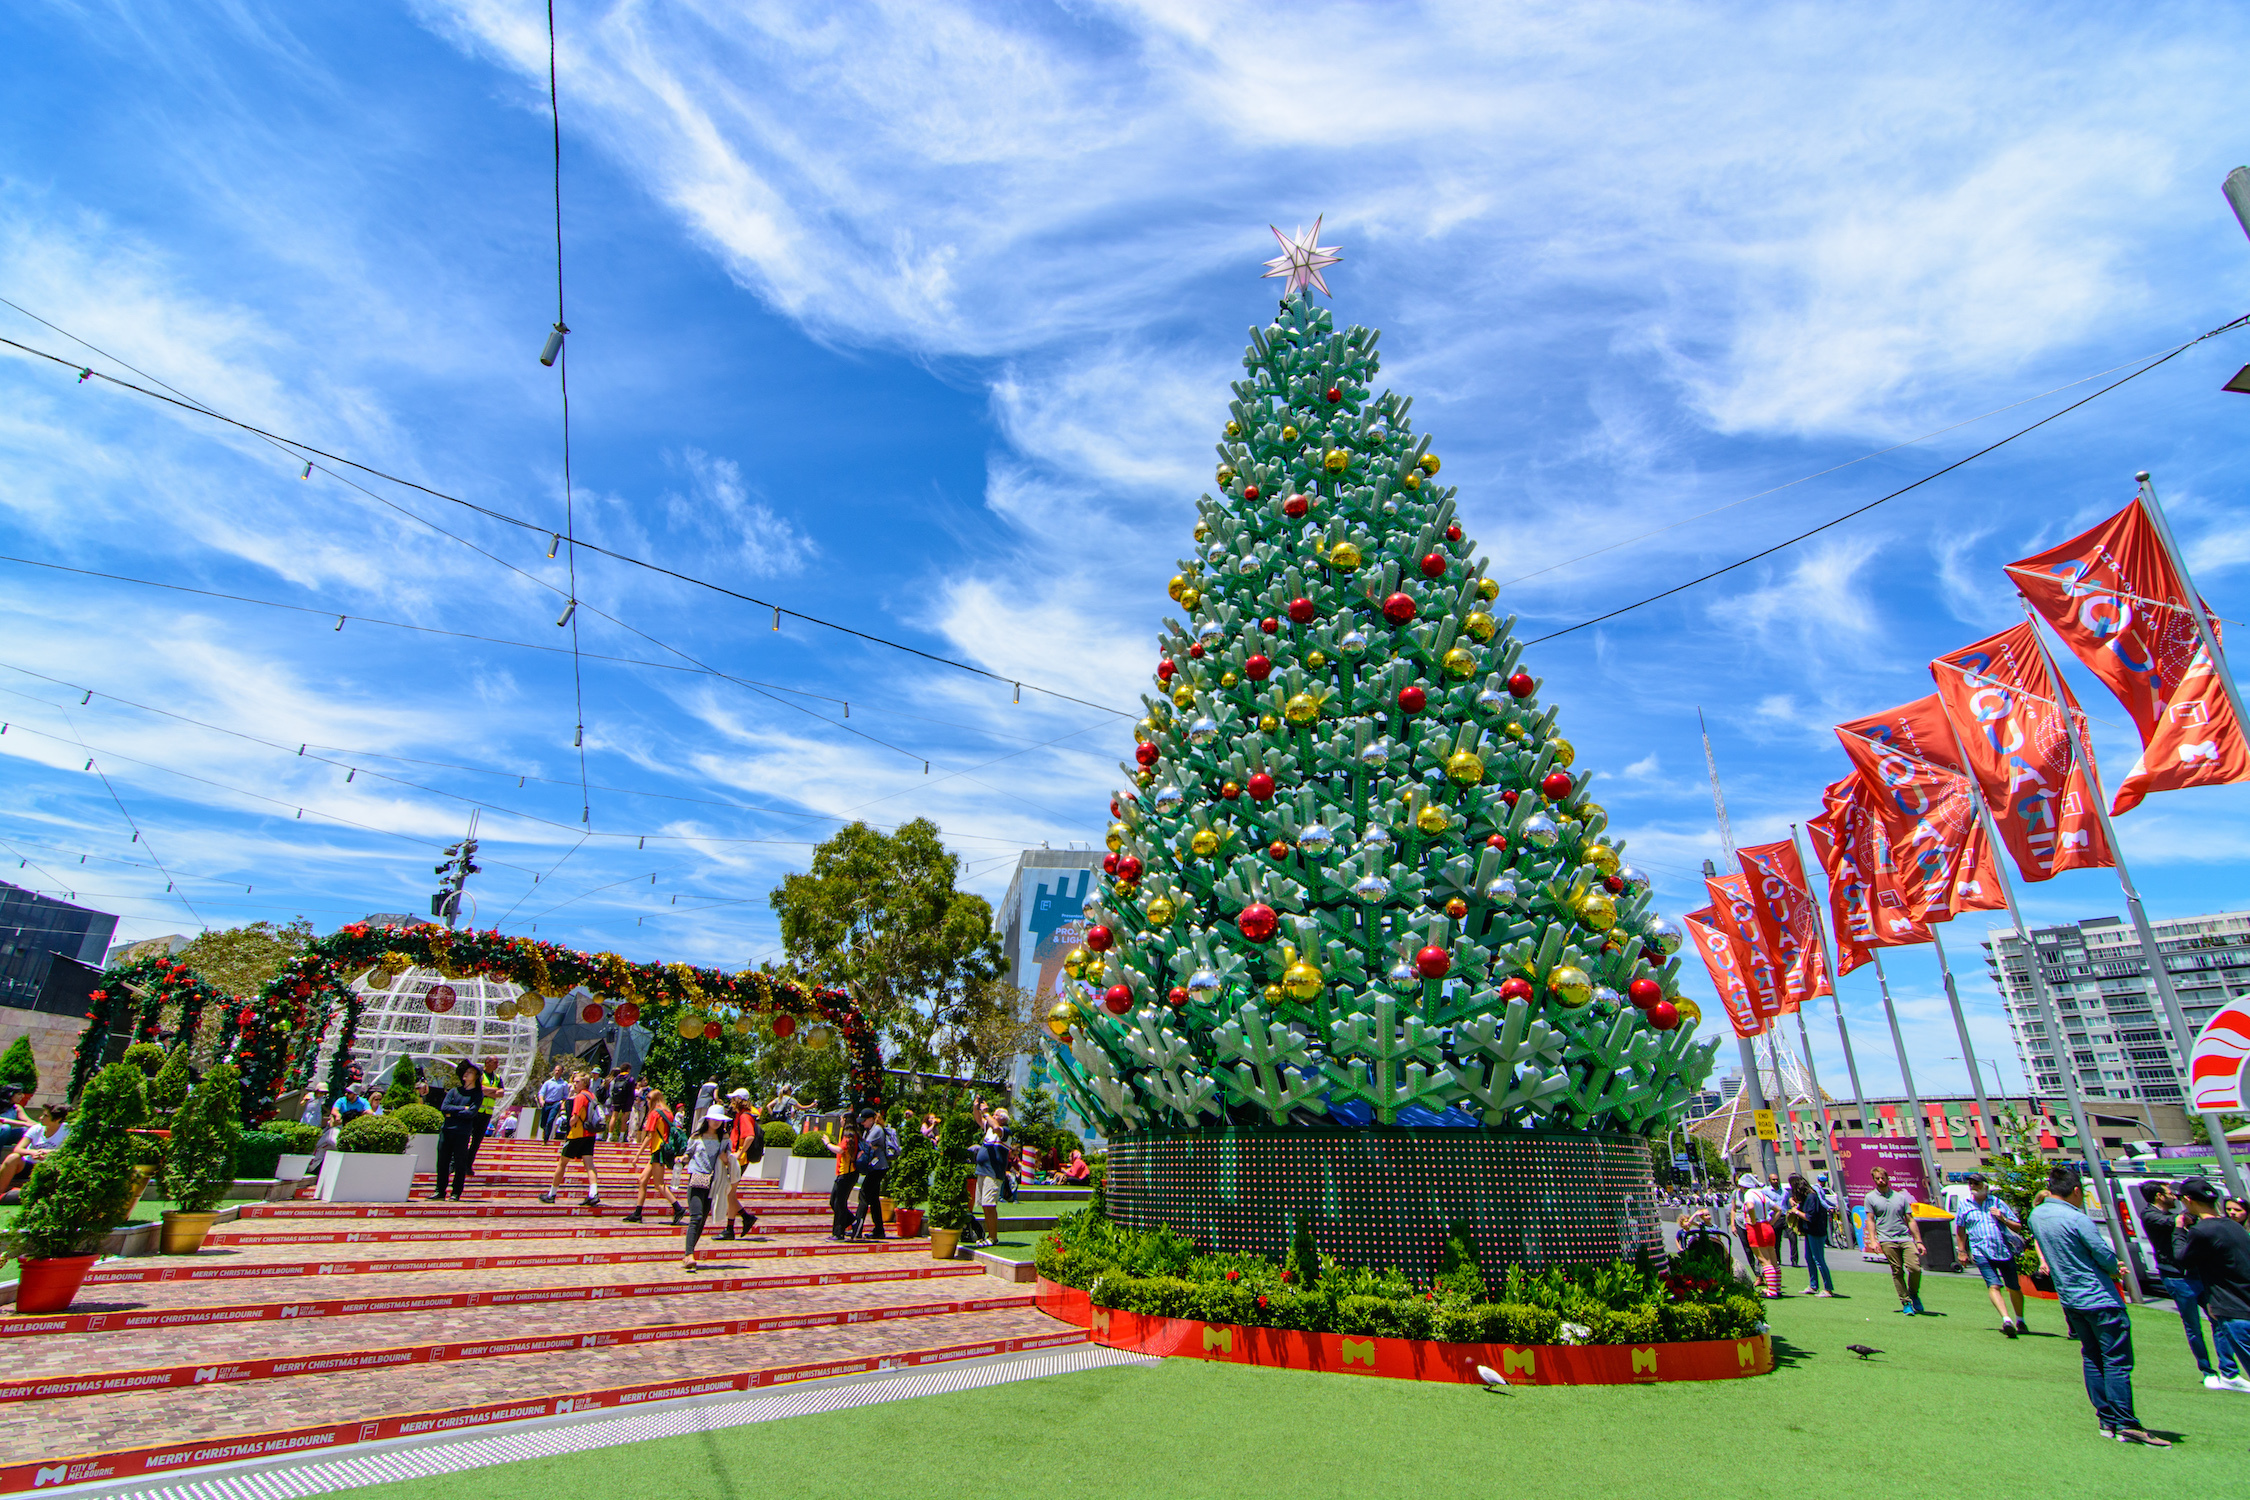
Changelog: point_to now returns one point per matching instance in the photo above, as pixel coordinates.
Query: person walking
(746, 1145)
(457, 1141)
(653, 1146)
(992, 1158)
(579, 1121)
(2166, 1226)
(1988, 1234)
(1811, 1214)
(844, 1225)
(1784, 1226)
(1890, 1218)
(2085, 1270)
(1761, 1233)
(707, 1156)
(2216, 1258)
(552, 1093)
(878, 1151)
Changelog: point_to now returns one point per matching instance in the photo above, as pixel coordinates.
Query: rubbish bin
(1937, 1243)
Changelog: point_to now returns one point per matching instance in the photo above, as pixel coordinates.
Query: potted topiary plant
(810, 1166)
(423, 1125)
(950, 1181)
(169, 1089)
(909, 1182)
(298, 1142)
(78, 1193)
(199, 1168)
(369, 1164)
(403, 1090)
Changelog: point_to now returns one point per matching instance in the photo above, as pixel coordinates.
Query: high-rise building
(2121, 1044)
(1041, 920)
(34, 931)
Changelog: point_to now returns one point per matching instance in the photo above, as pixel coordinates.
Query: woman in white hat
(1761, 1232)
(711, 1170)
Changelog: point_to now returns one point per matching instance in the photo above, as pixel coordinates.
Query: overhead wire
(562, 375)
(140, 835)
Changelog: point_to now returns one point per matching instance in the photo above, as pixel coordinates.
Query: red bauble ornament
(1555, 785)
(1433, 565)
(1176, 997)
(1497, 841)
(591, 1015)
(1335, 393)
(712, 1030)
(1196, 651)
(1145, 752)
(1398, 609)
(1456, 908)
(627, 1015)
(246, 1018)
(1664, 1015)
(1453, 532)
(1109, 864)
(784, 1026)
(1258, 668)
(1510, 796)
(1644, 992)
(1258, 922)
(1522, 685)
(1270, 625)
(1433, 963)
(1165, 669)
(1259, 786)
(1249, 492)
(1518, 988)
(1278, 849)
(1099, 939)
(1129, 867)
(1117, 999)
(1411, 699)
(1295, 507)
(440, 998)
(1114, 810)
(1613, 885)
(1301, 610)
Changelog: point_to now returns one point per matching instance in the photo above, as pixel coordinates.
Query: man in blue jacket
(2084, 1266)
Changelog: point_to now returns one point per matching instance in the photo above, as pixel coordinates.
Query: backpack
(675, 1144)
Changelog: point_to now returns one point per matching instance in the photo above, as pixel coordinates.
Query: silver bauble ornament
(1352, 642)
(1248, 566)
(1371, 888)
(1492, 700)
(1377, 754)
(1634, 877)
(1376, 837)
(1540, 831)
(1203, 982)
(1168, 799)
(1502, 889)
(1316, 839)
(1404, 973)
(1203, 731)
(1663, 934)
(1209, 630)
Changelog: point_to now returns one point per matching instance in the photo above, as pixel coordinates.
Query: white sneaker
(2237, 1383)
(2217, 1383)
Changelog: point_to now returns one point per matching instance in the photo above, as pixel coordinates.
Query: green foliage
(18, 1066)
(114, 1103)
(168, 1090)
(146, 1056)
(244, 960)
(908, 1181)
(779, 1133)
(373, 1135)
(75, 1195)
(1097, 1180)
(879, 915)
(2016, 1170)
(402, 1091)
(1302, 1265)
(2198, 1130)
(257, 1154)
(1034, 1106)
(811, 1144)
(418, 1119)
(199, 1168)
(1457, 1273)
(949, 1196)
(296, 1139)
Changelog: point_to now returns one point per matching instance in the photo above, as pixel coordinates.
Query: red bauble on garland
(1664, 1015)
(1099, 939)
(1453, 532)
(1259, 786)
(1613, 884)
(1433, 963)
(627, 1015)
(592, 1014)
(1516, 988)
(1411, 699)
(1497, 841)
(1301, 610)
(1278, 849)
(1165, 669)
(1433, 565)
(1129, 867)
(1109, 864)
(440, 999)
(1521, 685)
(1295, 507)
(1644, 992)
(712, 1031)
(1145, 752)
(1196, 651)
(784, 1026)
(1510, 796)
(1398, 608)
(1258, 668)
(1555, 785)
(1258, 922)
(1335, 393)
(1117, 999)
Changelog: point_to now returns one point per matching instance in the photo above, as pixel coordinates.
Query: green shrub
(1641, 1324)
(418, 1119)
(168, 1090)
(114, 1103)
(402, 1091)
(257, 1154)
(298, 1140)
(1745, 1315)
(1690, 1322)
(19, 1067)
(1458, 1278)
(199, 1168)
(1303, 1264)
(779, 1133)
(146, 1056)
(811, 1144)
(373, 1135)
(75, 1195)
(908, 1181)
(949, 1196)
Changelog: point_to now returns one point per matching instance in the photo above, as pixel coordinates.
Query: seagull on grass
(1490, 1376)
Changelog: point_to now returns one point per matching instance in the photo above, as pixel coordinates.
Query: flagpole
(2064, 1063)
(1935, 1186)
(1961, 1030)
(1781, 1079)
(2193, 604)
(1835, 996)
(2152, 956)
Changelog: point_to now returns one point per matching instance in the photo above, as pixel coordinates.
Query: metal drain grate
(548, 1437)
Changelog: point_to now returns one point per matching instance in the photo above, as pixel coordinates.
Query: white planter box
(362, 1177)
(808, 1174)
(423, 1149)
(291, 1167)
(769, 1167)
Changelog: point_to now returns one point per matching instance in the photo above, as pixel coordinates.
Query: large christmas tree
(1356, 879)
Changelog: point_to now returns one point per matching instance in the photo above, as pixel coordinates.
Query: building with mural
(1040, 920)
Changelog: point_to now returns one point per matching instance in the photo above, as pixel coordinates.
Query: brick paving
(602, 1281)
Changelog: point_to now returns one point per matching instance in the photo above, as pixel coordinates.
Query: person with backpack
(579, 1121)
(708, 1156)
(746, 1143)
(878, 1153)
(662, 1148)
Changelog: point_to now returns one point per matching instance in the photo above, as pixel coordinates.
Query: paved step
(235, 1264)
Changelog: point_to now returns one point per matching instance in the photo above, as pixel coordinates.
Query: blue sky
(919, 318)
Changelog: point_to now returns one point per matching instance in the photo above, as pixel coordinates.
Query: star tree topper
(1301, 259)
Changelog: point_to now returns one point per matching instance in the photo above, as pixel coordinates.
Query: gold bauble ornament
(1159, 912)
(1565, 751)
(1460, 662)
(1570, 985)
(1273, 994)
(1229, 790)
(1143, 732)
(1075, 961)
(1234, 429)
(1061, 1016)
(1316, 659)
(1517, 731)
(1116, 837)
(1343, 557)
(1302, 709)
(1690, 1012)
(1183, 696)
(1479, 625)
(1228, 679)
(1190, 597)
(742, 1026)
(1429, 463)
(690, 1027)
(1597, 911)
(1412, 479)
(1432, 820)
(1204, 843)
(1289, 434)
(1464, 769)
(817, 1037)
(1487, 589)
(1267, 723)
(1177, 586)
(1226, 476)
(1602, 858)
(1301, 980)
(1202, 531)
(1336, 460)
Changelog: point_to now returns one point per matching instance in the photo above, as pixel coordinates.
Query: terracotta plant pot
(49, 1285)
(890, 1210)
(183, 1232)
(909, 1222)
(944, 1243)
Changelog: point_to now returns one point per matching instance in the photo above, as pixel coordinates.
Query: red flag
(1923, 805)
(1870, 907)
(1738, 917)
(2115, 599)
(1976, 880)
(1787, 925)
(2010, 713)
(1727, 959)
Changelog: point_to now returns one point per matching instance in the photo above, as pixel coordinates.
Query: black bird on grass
(1862, 1350)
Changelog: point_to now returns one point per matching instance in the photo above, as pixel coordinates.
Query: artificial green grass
(1949, 1406)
